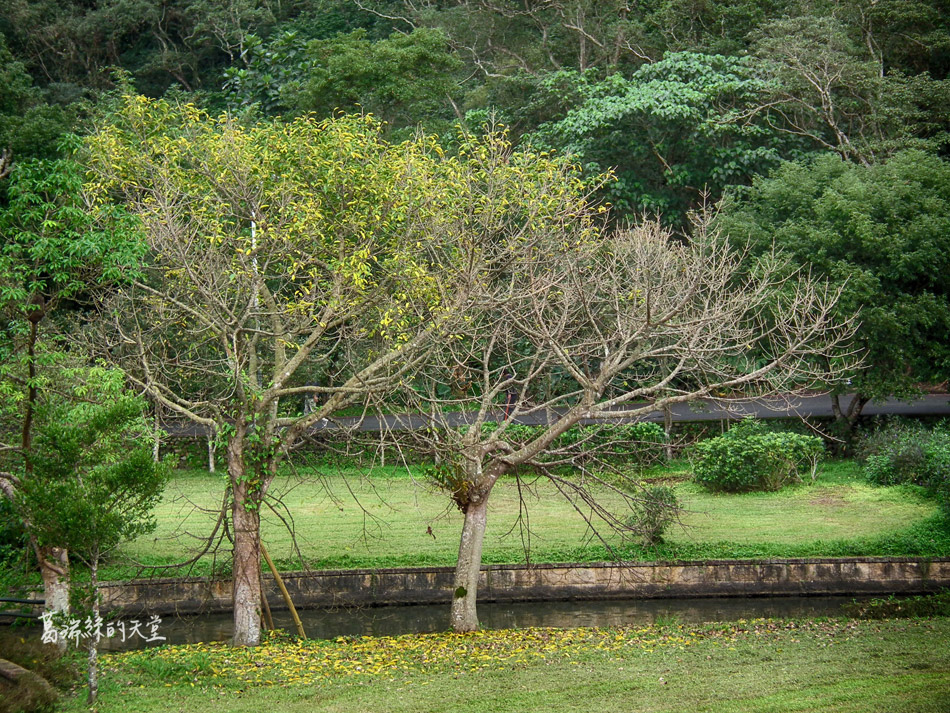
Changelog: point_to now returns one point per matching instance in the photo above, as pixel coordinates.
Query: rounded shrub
(655, 510)
(749, 457)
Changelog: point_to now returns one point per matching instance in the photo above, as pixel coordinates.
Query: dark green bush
(750, 457)
(656, 509)
(901, 453)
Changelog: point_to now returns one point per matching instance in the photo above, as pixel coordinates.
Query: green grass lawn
(391, 517)
(840, 666)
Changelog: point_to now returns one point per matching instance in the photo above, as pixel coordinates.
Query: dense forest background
(678, 95)
(824, 123)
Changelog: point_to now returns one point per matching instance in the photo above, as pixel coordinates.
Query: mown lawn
(393, 517)
(769, 666)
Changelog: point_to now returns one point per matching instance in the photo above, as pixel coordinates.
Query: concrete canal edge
(511, 583)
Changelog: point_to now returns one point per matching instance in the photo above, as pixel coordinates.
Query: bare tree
(633, 322)
(822, 87)
(505, 35)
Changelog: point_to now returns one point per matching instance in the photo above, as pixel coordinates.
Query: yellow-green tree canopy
(296, 267)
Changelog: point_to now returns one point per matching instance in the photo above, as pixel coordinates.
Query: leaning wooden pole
(268, 619)
(283, 590)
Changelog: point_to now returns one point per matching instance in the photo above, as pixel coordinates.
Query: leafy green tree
(711, 26)
(94, 483)
(882, 234)
(52, 254)
(907, 36)
(504, 37)
(227, 25)
(672, 132)
(829, 84)
(72, 46)
(404, 79)
(29, 127)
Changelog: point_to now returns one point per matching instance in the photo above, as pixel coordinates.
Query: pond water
(395, 620)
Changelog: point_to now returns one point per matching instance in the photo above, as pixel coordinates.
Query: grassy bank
(392, 517)
(762, 665)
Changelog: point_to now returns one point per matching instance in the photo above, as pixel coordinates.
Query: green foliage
(905, 454)
(55, 246)
(29, 126)
(54, 253)
(880, 234)
(748, 457)
(832, 84)
(655, 510)
(720, 26)
(93, 482)
(405, 79)
(14, 547)
(639, 444)
(73, 45)
(673, 129)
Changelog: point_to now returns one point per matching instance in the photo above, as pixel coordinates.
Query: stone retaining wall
(427, 585)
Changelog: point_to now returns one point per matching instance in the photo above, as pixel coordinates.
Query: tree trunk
(54, 567)
(211, 449)
(465, 587)
(93, 662)
(53, 561)
(847, 419)
(247, 553)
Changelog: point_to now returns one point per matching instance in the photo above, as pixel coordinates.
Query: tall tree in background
(29, 126)
(834, 89)
(404, 79)
(73, 46)
(504, 37)
(882, 234)
(673, 132)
